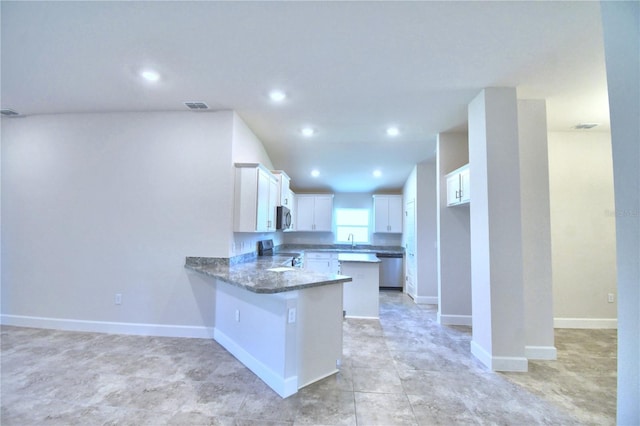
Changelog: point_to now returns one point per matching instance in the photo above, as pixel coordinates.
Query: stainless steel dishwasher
(391, 273)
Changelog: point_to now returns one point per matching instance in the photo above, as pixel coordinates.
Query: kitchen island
(283, 323)
(361, 296)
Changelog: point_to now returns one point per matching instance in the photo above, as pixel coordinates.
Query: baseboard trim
(426, 300)
(602, 323)
(499, 363)
(546, 353)
(454, 319)
(136, 329)
(283, 386)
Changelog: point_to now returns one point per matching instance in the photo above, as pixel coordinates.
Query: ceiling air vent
(8, 112)
(197, 106)
(585, 126)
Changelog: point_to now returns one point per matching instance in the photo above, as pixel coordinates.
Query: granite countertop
(358, 257)
(272, 274)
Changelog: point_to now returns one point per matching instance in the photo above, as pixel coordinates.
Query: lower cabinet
(321, 262)
(361, 295)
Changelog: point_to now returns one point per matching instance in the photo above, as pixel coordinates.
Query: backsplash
(324, 238)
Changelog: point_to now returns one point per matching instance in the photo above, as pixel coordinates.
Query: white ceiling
(350, 69)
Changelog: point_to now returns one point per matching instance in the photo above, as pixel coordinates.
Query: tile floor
(403, 370)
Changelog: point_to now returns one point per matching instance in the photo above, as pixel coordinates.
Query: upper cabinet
(256, 199)
(387, 213)
(284, 193)
(314, 212)
(458, 188)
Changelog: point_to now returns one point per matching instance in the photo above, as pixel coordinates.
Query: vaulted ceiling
(349, 71)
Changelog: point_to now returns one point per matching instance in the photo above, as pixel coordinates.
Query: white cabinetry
(387, 213)
(324, 262)
(361, 295)
(292, 210)
(314, 212)
(284, 193)
(256, 198)
(458, 189)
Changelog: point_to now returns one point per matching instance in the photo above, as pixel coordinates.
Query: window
(352, 221)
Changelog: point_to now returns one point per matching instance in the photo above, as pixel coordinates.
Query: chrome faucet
(352, 239)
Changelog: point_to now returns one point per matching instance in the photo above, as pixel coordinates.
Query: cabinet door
(323, 213)
(381, 214)
(262, 208)
(273, 203)
(292, 207)
(453, 189)
(285, 192)
(395, 214)
(319, 262)
(465, 189)
(304, 213)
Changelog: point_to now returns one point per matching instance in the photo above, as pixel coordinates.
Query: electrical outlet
(610, 297)
(292, 315)
(237, 315)
(117, 299)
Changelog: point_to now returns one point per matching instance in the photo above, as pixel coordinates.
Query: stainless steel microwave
(283, 218)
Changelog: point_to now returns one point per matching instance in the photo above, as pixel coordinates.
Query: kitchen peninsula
(283, 323)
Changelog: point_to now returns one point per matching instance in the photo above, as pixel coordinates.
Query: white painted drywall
(454, 245)
(582, 224)
(496, 257)
(426, 233)
(247, 148)
(621, 27)
(536, 229)
(420, 188)
(98, 204)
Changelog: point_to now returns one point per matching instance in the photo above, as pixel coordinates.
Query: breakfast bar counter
(273, 274)
(281, 322)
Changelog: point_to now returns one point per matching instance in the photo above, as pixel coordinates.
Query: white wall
(98, 204)
(536, 229)
(621, 27)
(582, 228)
(496, 256)
(426, 233)
(420, 187)
(454, 245)
(247, 148)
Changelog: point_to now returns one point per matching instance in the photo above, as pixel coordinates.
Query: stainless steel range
(265, 248)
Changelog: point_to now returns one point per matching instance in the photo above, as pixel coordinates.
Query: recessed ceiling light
(150, 75)
(308, 131)
(393, 131)
(315, 173)
(377, 173)
(277, 95)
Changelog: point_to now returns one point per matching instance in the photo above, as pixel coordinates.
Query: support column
(536, 230)
(621, 29)
(454, 250)
(496, 231)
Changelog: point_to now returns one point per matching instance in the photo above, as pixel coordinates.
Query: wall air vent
(585, 126)
(8, 112)
(197, 106)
